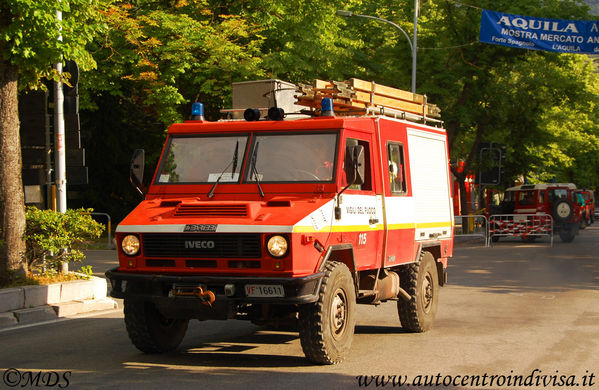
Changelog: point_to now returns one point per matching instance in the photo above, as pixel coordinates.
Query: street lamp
(413, 44)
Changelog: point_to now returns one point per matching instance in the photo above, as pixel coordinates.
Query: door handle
(373, 221)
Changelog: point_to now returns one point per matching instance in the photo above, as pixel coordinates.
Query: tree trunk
(12, 209)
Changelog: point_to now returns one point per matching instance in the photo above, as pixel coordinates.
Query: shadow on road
(211, 356)
(510, 265)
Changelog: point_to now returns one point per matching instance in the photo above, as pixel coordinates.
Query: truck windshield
(202, 159)
(294, 158)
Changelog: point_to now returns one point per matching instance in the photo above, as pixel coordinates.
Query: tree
(489, 93)
(157, 58)
(160, 55)
(29, 46)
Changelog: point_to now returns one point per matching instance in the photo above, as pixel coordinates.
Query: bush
(50, 237)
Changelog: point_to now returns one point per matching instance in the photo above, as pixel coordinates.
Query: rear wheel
(326, 327)
(421, 281)
(149, 330)
(567, 233)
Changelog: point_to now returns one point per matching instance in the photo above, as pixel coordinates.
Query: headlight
(130, 245)
(277, 246)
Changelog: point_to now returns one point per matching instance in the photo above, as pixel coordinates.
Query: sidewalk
(34, 304)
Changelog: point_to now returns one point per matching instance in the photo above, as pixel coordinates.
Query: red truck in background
(588, 209)
(287, 221)
(533, 201)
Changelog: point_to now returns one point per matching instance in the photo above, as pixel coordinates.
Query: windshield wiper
(234, 163)
(254, 170)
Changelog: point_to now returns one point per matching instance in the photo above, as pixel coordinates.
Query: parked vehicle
(588, 211)
(559, 200)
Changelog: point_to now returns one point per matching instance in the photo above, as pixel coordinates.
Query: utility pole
(59, 141)
(60, 159)
(415, 43)
(412, 42)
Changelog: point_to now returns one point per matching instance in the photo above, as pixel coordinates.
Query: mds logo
(199, 244)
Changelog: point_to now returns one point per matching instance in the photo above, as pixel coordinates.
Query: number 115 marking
(362, 239)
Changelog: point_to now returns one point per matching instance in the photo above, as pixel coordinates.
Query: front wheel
(421, 281)
(326, 327)
(149, 330)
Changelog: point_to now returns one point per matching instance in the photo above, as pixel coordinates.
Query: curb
(31, 304)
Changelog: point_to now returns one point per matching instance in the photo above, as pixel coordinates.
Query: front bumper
(157, 287)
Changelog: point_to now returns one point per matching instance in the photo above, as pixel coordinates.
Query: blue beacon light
(326, 107)
(197, 111)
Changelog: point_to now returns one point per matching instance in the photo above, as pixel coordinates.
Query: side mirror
(354, 166)
(136, 170)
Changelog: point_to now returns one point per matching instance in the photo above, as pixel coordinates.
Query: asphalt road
(512, 310)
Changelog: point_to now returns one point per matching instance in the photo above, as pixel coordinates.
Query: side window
(541, 197)
(367, 186)
(526, 198)
(397, 168)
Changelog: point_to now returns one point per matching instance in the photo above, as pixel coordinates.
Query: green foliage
(155, 60)
(29, 36)
(86, 272)
(541, 105)
(51, 236)
(157, 57)
(165, 55)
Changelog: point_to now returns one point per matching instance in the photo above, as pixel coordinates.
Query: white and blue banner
(564, 36)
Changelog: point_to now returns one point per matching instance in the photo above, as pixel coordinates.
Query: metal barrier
(472, 226)
(108, 227)
(526, 226)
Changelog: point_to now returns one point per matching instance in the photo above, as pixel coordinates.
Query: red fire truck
(287, 221)
(588, 210)
(536, 208)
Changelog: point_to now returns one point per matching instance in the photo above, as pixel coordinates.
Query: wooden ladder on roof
(359, 97)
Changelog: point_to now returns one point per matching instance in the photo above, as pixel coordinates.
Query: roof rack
(359, 97)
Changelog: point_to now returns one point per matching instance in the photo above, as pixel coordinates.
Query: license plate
(264, 290)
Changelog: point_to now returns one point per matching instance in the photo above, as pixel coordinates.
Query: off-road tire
(149, 331)
(421, 281)
(583, 222)
(326, 327)
(567, 233)
(562, 210)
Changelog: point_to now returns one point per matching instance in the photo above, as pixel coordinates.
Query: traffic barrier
(108, 227)
(526, 226)
(472, 226)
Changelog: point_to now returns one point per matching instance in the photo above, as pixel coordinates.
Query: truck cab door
(361, 223)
